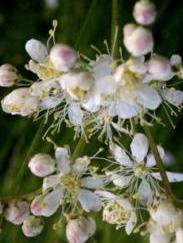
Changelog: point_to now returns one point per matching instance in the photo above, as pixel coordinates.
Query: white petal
(131, 223)
(120, 155)
(94, 183)
(139, 146)
(148, 97)
(124, 203)
(106, 85)
(107, 195)
(89, 200)
(173, 96)
(52, 201)
(172, 177)
(102, 67)
(150, 158)
(120, 181)
(81, 164)
(50, 182)
(36, 50)
(75, 114)
(63, 160)
(126, 111)
(146, 192)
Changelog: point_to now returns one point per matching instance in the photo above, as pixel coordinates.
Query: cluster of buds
(103, 93)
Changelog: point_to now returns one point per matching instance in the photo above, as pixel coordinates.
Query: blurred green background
(81, 23)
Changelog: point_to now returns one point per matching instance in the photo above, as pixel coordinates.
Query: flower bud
(80, 230)
(8, 75)
(63, 57)
(36, 50)
(159, 68)
(16, 212)
(32, 226)
(42, 165)
(20, 102)
(138, 40)
(144, 12)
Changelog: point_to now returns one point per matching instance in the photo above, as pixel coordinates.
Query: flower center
(140, 170)
(71, 183)
(114, 213)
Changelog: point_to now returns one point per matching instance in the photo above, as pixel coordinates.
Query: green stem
(159, 163)
(114, 28)
(79, 149)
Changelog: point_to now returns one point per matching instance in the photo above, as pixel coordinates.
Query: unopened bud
(20, 102)
(144, 12)
(42, 165)
(16, 212)
(80, 230)
(159, 68)
(63, 57)
(138, 41)
(36, 50)
(8, 75)
(32, 226)
(37, 205)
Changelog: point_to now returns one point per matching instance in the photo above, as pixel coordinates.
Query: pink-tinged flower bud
(32, 226)
(37, 205)
(138, 41)
(159, 68)
(20, 102)
(42, 165)
(63, 57)
(144, 12)
(16, 212)
(36, 50)
(8, 75)
(80, 230)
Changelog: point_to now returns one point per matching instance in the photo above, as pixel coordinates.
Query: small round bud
(16, 212)
(80, 230)
(138, 41)
(42, 165)
(36, 50)
(176, 61)
(159, 68)
(20, 102)
(37, 205)
(144, 12)
(63, 57)
(32, 226)
(8, 75)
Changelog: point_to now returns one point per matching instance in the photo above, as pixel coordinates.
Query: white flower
(118, 210)
(138, 40)
(8, 75)
(69, 183)
(79, 230)
(42, 165)
(137, 171)
(32, 226)
(63, 57)
(20, 102)
(144, 12)
(173, 96)
(76, 83)
(159, 68)
(16, 212)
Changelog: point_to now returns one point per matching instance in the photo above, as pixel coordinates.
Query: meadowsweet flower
(79, 230)
(118, 210)
(138, 40)
(136, 172)
(71, 183)
(63, 57)
(42, 165)
(32, 226)
(16, 211)
(20, 102)
(8, 75)
(144, 12)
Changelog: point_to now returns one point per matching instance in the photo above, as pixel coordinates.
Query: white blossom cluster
(106, 96)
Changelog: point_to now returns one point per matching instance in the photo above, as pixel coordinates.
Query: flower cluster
(104, 96)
